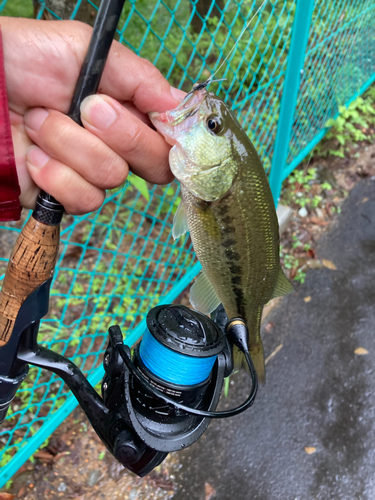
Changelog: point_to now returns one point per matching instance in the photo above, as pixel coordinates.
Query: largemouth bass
(228, 208)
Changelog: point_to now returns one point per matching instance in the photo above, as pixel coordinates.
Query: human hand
(74, 164)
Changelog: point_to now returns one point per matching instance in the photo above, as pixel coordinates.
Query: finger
(62, 139)
(135, 111)
(128, 77)
(52, 59)
(21, 143)
(68, 187)
(142, 147)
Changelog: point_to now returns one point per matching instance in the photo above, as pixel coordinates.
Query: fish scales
(240, 257)
(229, 212)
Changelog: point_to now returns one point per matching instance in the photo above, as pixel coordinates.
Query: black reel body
(145, 411)
(159, 424)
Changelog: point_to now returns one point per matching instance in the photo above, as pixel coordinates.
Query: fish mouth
(180, 119)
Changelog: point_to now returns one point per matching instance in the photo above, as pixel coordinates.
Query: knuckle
(135, 143)
(94, 200)
(89, 201)
(77, 196)
(79, 28)
(114, 171)
(63, 127)
(55, 134)
(149, 71)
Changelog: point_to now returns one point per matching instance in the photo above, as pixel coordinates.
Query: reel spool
(173, 381)
(177, 354)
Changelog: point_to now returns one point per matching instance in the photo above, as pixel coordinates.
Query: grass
(354, 124)
(17, 8)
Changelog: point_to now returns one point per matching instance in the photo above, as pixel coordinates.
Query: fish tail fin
(256, 349)
(257, 356)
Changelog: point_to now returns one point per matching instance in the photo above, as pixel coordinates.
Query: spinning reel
(160, 399)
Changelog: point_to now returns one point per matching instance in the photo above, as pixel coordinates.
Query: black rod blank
(93, 66)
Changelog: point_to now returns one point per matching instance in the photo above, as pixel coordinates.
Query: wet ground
(311, 432)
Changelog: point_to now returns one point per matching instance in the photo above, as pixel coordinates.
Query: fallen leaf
(329, 264)
(361, 351)
(307, 299)
(209, 491)
(269, 326)
(311, 263)
(311, 253)
(44, 456)
(318, 221)
(6, 496)
(22, 492)
(310, 450)
(274, 353)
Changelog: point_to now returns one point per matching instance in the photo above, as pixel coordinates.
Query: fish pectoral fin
(203, 296)
(283, 285)
(180, 225)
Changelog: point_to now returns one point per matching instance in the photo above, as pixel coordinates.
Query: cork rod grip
(32, 262)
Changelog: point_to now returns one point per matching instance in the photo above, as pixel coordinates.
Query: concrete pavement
(319, 396)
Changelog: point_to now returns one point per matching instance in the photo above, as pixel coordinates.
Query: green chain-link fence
(298, 62)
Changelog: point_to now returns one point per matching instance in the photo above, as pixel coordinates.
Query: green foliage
(226, 386)
(173, 47)
(5, 458)
(8, 484)
(298, 191)
(354, 124)
(18, 8)
(139, 184)
(291, 263)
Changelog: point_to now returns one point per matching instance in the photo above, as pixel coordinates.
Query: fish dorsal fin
(180, 225)
(283, 285)
(202, 295)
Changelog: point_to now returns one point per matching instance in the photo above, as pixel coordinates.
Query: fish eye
(214, 124)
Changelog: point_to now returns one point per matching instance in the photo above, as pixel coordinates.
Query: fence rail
(297, 63)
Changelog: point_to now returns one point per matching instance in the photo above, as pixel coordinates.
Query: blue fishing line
(172, 366)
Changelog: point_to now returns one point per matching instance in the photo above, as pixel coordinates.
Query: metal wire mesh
(118, 262)
(338, 61)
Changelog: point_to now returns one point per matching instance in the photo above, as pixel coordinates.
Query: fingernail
(97, 112)
(35, 117)
(36, 157)
(177, 94)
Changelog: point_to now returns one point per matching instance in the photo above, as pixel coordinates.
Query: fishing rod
(163, 397)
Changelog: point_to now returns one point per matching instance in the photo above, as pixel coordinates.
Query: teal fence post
(300, 35)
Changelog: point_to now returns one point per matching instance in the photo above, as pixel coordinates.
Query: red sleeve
(10, 208)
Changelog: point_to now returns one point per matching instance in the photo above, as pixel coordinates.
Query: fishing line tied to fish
(203, 85)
